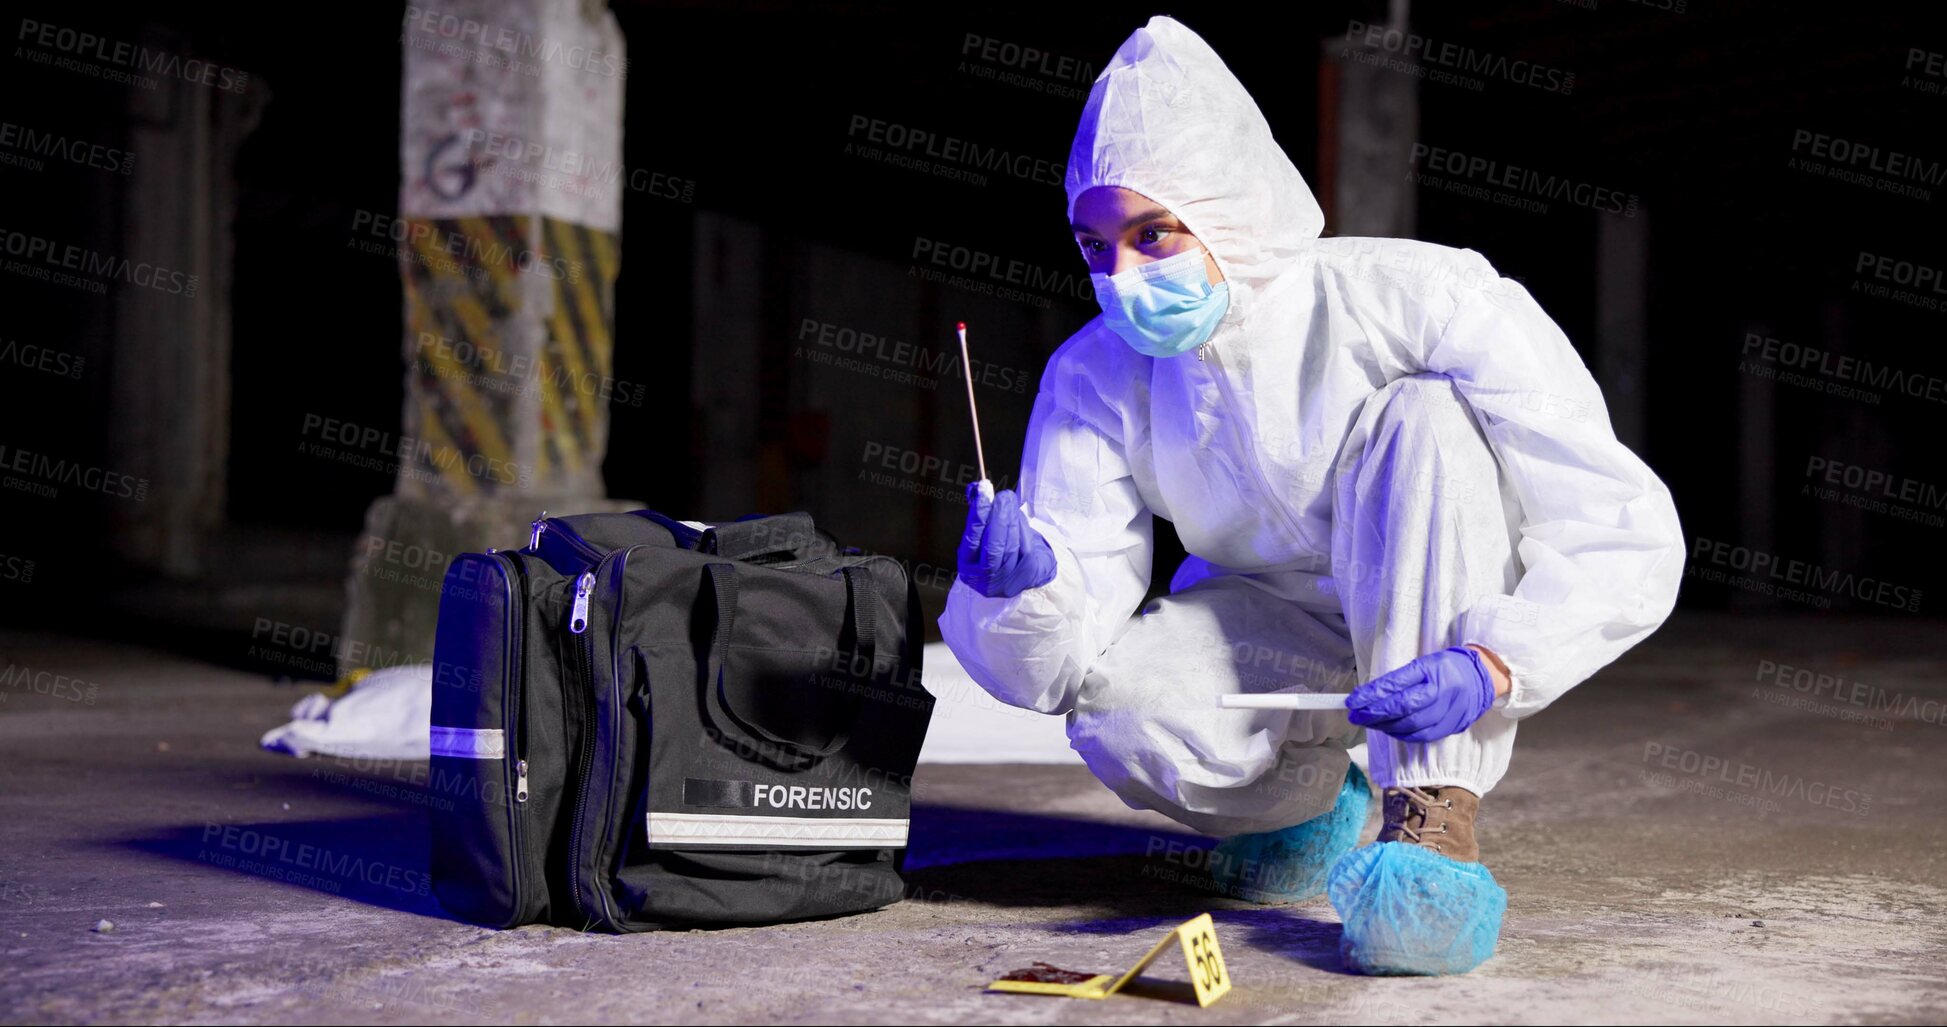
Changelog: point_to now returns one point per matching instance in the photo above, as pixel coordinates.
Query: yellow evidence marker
(1198, 938)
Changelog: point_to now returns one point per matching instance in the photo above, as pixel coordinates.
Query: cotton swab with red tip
(979, 453)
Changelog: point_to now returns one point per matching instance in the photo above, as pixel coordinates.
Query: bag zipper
(581, 546)
(517, 620)
(585, 665)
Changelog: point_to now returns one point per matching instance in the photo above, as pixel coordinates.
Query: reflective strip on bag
(693, 829)
(470, 743)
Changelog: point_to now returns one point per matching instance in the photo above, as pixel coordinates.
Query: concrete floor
(134, 790)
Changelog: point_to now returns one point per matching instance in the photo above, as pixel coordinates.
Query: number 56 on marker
(1198, 938)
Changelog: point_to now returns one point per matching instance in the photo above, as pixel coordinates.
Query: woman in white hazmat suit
(1388, 465)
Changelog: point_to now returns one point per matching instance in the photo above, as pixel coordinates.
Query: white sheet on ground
(385, 716)
(971, 726)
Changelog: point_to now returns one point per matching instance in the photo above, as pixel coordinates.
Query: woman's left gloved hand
(1432, 697)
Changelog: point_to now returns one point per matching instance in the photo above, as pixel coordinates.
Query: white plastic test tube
(1283, 701)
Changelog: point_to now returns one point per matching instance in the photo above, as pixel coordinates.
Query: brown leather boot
(1441, 819)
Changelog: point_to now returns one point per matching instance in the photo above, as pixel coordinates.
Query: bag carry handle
(753, 537)
(756, 537)
(863, 595)
(683, 535)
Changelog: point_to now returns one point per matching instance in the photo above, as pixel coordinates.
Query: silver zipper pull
(539, 526)
(578, 617)
(520, 781)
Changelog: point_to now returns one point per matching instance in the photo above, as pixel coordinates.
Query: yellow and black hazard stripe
(464, 285)
(578, 360)
(461, 286)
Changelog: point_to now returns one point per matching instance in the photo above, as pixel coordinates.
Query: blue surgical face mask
(1165, 307)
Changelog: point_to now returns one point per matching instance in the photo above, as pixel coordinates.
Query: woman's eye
(1153, 235)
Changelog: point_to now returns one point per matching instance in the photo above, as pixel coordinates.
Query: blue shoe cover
(1290, 864)
(1410, 910)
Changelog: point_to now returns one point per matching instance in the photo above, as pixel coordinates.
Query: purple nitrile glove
(1432, 697)
(1000, 553)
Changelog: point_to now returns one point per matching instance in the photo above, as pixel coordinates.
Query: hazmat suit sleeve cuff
(1528, 690)
(1515, 675)
(1516, 679)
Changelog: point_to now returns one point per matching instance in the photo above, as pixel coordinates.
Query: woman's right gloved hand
(1000, 553)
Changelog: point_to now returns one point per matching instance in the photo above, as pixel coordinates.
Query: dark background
(1693, 111)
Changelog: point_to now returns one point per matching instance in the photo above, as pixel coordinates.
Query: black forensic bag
(641, 722)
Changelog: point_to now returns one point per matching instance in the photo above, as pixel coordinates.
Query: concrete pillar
(1756, 456)
(729, 311)
(1622, 314)
(1369, 118)
(508, 239)
(1856, 433)
(170, 376)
